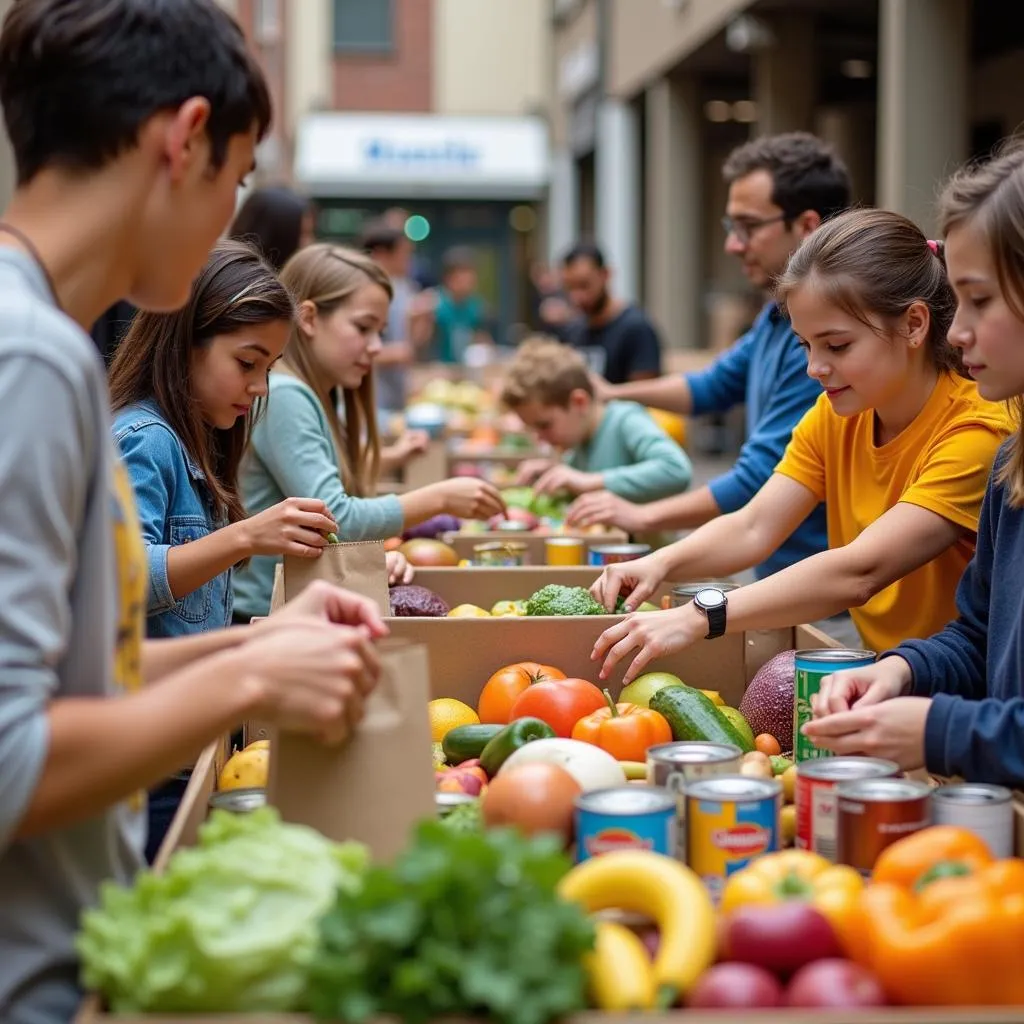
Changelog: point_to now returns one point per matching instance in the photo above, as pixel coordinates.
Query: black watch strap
(716, 622)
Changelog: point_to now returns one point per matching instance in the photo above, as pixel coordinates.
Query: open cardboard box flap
(463, 653)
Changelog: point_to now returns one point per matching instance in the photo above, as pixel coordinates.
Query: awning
(407, 156)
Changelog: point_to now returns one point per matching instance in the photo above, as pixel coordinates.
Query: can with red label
(730, 820)
(816, 783)
(625, 818)
(873, 813)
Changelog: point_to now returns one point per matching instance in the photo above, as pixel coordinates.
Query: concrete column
(784, 76)
(8, 177)
(563, 204)
(618, 213)
(851, 129)
(674, 214)
(308, 59)
(924, 82)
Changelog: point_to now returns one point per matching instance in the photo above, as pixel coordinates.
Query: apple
(517, 515)
(836, 983)
(644, 687)
(733, 985)
(781, 937)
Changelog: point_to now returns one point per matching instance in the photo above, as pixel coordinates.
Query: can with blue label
(612, 554)
(810, 668)
(730, 820)
(631, 817)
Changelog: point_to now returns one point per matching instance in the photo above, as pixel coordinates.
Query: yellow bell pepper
(833, 889)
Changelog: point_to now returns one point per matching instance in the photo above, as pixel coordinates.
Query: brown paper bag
(379, 783)
(360, 567)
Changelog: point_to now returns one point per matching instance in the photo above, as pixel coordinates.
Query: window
(364, 25)
(267, 21)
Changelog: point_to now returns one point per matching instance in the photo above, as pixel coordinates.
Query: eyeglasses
(744, 229)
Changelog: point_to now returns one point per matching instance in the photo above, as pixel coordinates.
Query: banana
(635, 770)
(619, 970)
(661, 889)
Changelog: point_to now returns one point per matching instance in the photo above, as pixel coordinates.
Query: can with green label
(811, 668)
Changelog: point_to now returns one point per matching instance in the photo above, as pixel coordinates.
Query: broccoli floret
(555, 599)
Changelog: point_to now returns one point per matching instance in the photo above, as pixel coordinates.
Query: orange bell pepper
(833, 889)
(954, 941)
(624, 730)
(936, 852)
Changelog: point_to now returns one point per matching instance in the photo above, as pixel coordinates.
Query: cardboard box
(536, 551)
(462, 657)
(485, 586)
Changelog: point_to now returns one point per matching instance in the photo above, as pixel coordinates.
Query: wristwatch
(712, 601)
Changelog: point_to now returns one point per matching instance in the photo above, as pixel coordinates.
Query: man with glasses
(781, 187)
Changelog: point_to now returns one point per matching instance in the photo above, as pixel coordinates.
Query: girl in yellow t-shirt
(899, 447)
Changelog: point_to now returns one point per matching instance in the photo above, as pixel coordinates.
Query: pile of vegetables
(556, 599)
(462, 924)
(231, 926)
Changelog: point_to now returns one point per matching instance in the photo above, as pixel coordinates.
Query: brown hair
(545, 371)
(328, 276)
(234, 290)
(878, 262)
(990, 198)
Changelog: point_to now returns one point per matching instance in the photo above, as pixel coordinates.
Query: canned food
(611, 554)
(816, 783)
(675, 765)
(811, 668)
(873, 813)
(500, 553)
(239, 801)
(985, 810)
(625, 818)
(445, 803)
(684, 593)
(730, 820)
(565, 551)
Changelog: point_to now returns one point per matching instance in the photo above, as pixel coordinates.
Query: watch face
(709, 598)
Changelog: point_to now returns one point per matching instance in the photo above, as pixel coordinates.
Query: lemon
(446, 713)
(245, 769)
(469, 611)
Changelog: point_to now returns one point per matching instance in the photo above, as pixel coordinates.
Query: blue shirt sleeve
(150, 453)
(724, 383)
(791, 395)
(292, 444)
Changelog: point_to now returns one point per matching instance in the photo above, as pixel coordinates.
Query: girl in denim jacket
(186, 388)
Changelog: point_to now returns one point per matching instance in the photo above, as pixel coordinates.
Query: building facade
(650, 96)
(434, 107)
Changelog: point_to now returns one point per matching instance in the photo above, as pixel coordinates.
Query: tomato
(502, 689)
(767, 744)
(559, 702)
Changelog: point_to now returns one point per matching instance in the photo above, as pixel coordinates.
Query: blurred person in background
(277, 221)
(410, 318)
(460, 315)
(615, 337)
(550, 311)
(781, 188)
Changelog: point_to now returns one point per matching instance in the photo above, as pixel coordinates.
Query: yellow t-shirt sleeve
(953, 479)
(804, 458)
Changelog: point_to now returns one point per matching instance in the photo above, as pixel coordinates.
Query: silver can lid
(626, 800)
(239, 800)
(835, 655)
(847, 767)
(737, 788)
(881, 790)
(693, 751)
(972, 793)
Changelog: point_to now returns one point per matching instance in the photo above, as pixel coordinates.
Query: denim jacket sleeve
(152, 455)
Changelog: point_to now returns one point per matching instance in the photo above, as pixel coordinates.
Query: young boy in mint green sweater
(613, 446)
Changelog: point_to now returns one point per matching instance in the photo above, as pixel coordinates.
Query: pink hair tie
(933, 245)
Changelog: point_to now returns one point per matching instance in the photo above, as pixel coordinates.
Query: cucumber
(465, 742)
(692, 716)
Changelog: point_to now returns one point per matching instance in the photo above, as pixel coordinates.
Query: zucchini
(466, 742)
(692, 716)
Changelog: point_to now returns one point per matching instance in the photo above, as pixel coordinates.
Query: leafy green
(517, 497)
(463, 923)
(465, 817)
(556, 599)
(544, 506)
(230, 926)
